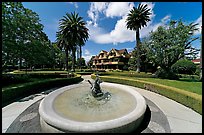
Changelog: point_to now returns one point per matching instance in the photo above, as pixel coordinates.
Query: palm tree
(62, 43)
(137, 18)
(73, 30)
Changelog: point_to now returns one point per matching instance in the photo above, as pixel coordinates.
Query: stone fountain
(102, 108)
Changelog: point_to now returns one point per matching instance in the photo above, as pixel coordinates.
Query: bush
(198, 70)
(184, 66)
(11, 94)
(8, 79)
(84, 73)
(161, 73)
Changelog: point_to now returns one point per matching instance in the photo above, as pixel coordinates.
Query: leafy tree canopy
(168, 44)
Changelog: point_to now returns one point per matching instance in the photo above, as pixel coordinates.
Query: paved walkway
(181, 119)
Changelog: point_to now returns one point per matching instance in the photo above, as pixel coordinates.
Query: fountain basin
(73, 109)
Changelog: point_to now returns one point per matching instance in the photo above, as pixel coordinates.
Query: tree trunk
(66, 52)
(20, 64)
(138, 50)
(80, 53)
(73, 59)
(26, 66)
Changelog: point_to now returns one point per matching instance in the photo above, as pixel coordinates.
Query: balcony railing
(109, 63)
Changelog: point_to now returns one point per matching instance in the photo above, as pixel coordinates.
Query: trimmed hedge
(11, 94)
(84, 73)
(189, 99)
(131, 74)
(8, 79)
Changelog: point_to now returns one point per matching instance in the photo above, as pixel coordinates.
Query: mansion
(114, 59)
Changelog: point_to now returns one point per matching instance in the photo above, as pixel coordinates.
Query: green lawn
(183, 83)
(195, 87)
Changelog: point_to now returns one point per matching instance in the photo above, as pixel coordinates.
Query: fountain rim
(52, 118)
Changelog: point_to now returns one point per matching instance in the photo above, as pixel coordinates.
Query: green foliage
(11, 94)
(166, 46)
(21, 77)
(81, 62)
(184, 66)
(23, 38)
(136, 19)
(72, 34)
(145, 63)
(198, 70)
(8, 79)
(161, 73)
(90, 63)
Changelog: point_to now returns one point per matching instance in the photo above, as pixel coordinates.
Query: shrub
(184, 66)
(198, 70)
(8, 79)
(11, 94)
(84, 73)
(161, 73)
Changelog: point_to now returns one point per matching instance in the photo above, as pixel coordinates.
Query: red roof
(196, 60)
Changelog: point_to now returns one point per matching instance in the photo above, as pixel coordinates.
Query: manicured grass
(183, 83)
(182, 96)
(195, 87)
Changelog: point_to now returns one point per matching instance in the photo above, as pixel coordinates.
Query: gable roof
(118, 52)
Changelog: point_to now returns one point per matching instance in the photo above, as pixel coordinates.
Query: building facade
(114, 59)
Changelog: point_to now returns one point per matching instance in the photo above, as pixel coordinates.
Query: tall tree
(62, 42)
(74, 32)
(22, 35)
(167, 45)
(138, 18)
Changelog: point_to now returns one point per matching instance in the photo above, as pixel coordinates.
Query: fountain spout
(96, 89)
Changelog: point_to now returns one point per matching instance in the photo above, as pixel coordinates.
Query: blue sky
(106, 21)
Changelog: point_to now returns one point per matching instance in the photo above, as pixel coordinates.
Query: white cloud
(166, 18)
(199, 21)
(120, 33)
(130, 49)
(75, 4)
(87, 52)
(95, 9)
(198, 55)
(118, 9)
(87, 55)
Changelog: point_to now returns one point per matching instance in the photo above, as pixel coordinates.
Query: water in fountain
(105, 108)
